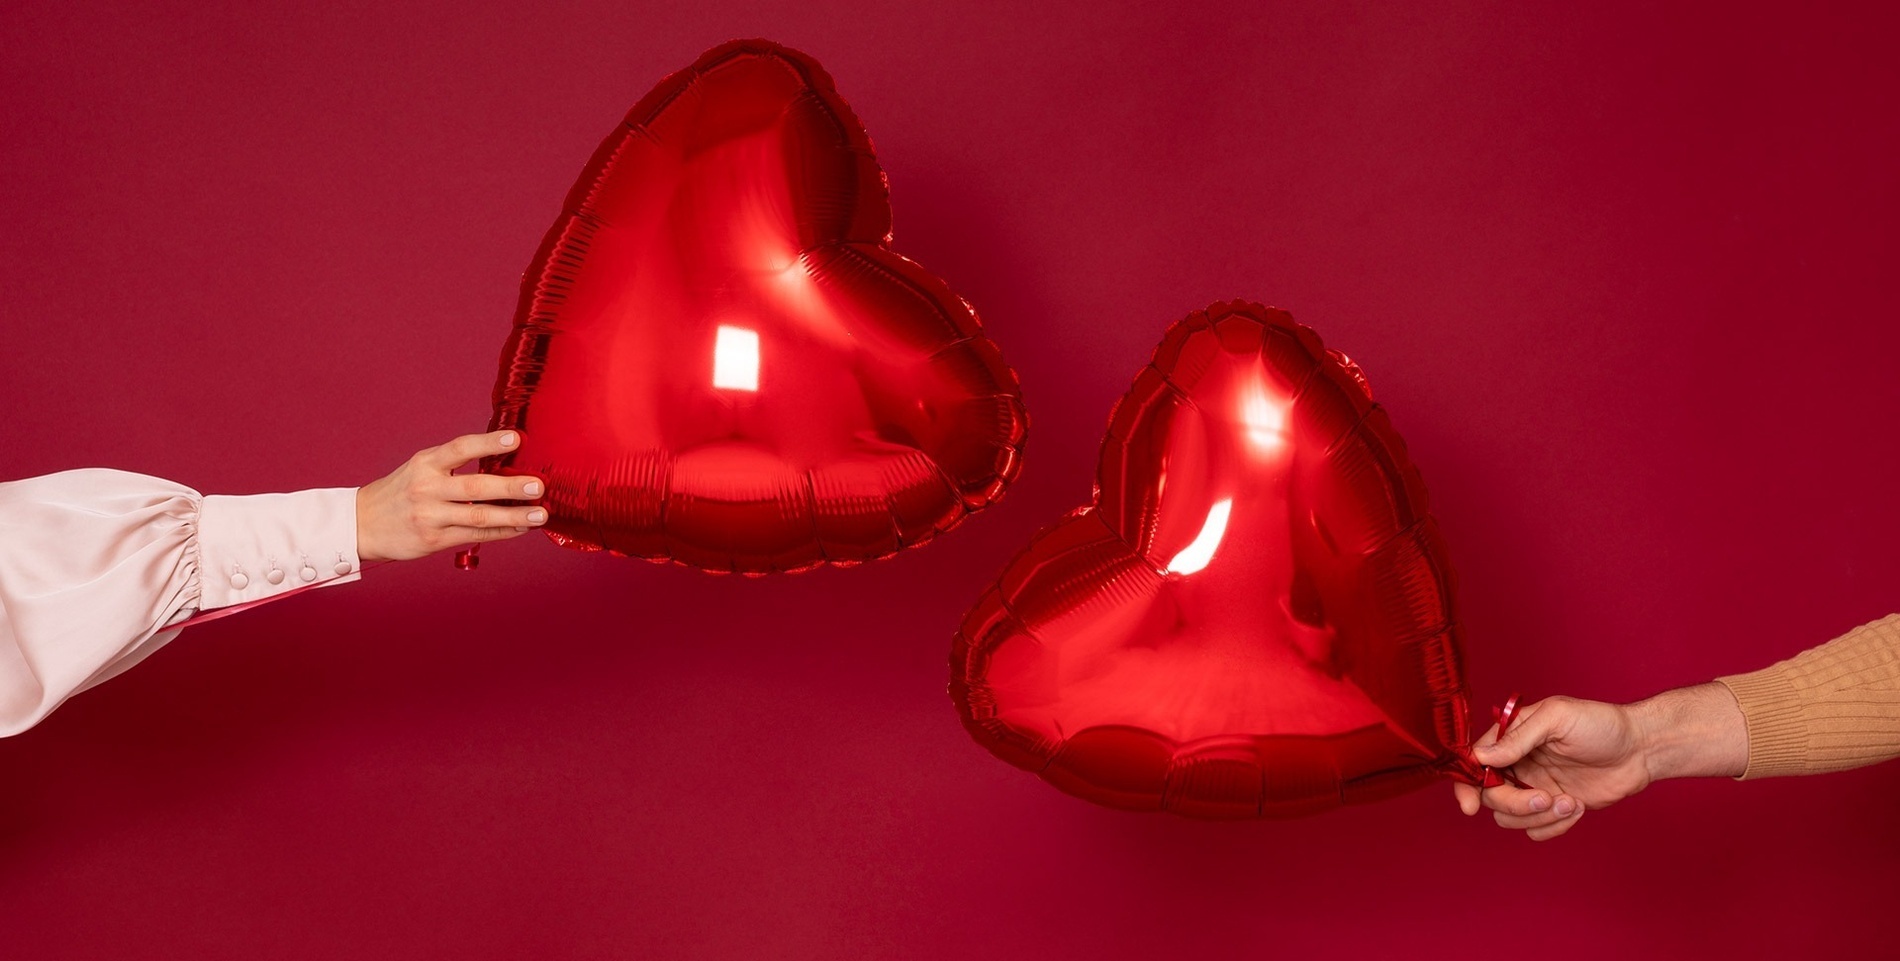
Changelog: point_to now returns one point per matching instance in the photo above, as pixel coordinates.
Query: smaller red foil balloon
(1253, 619)
(719, 360)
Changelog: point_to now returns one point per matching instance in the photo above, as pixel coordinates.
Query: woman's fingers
(451, 456)
(457, 536)
(424, 506)
(490, 487)
(484, 516)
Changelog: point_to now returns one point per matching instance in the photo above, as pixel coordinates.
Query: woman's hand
(424, 507)
(1575, 755)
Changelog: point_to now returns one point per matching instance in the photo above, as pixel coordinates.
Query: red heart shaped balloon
(1253, 618)
(719, 360)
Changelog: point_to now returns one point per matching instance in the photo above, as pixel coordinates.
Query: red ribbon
(1465, 765)
(1505, 715)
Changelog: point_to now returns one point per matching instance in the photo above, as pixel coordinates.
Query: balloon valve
(466, 560)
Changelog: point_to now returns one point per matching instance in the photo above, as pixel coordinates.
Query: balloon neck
(1465, 766)
(465, 560)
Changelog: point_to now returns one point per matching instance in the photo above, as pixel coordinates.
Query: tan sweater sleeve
(1830, 708)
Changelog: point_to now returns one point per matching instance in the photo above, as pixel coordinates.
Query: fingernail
(537, 515)
(508, 439)
(532, 489)
(1540, 803)
(1565, 806)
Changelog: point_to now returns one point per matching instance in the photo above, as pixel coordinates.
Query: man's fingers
(1523, 822)
(468, 447)
(1564, 808)
(1468, 799)
(490, 487)
(1555, 830)
(1517, 801)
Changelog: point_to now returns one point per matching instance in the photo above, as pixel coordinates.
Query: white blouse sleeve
(99, 568)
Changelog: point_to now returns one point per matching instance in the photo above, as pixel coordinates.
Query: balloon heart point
(1255, 615)
(719, 361)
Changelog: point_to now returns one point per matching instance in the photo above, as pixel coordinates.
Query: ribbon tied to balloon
(1254, 617)
(719, 360)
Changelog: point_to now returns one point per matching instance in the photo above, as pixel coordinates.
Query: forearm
(1697, 731)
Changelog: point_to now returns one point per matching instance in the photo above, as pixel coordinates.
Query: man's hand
(423, 507)
(1576, 755)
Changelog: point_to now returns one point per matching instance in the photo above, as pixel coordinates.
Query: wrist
(367, 550)
(1691, 732)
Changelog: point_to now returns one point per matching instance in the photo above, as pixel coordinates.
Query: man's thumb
(1534, 726)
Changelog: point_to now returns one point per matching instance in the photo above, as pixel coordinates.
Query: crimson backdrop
(1623, 278)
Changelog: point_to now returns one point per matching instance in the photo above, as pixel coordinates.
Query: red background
(1622, 277)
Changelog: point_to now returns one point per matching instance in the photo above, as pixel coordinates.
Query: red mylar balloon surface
(718, 360)
(1255, 616)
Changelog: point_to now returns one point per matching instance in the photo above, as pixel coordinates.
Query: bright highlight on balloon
(1200, 553)
(736, 358)
(1265, 419)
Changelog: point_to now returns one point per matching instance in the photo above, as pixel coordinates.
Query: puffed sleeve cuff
(256, 547)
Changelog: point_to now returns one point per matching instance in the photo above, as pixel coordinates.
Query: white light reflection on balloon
(1264, 416)
(1199, 554)
(736, 358)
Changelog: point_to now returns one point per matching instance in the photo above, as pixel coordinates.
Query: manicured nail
(537, 515)
(508, 439)
(1540, 803)
(1565, 806)
(532, 489)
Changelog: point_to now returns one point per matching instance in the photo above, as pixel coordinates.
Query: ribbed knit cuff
(1777, 727)
(1830, 708)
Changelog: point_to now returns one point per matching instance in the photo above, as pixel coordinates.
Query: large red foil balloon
(719, 360)
(1254, 618)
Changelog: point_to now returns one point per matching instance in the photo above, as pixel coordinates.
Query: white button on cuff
(308, 573)
(239, 581)
(275, 575)
(341, 568)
